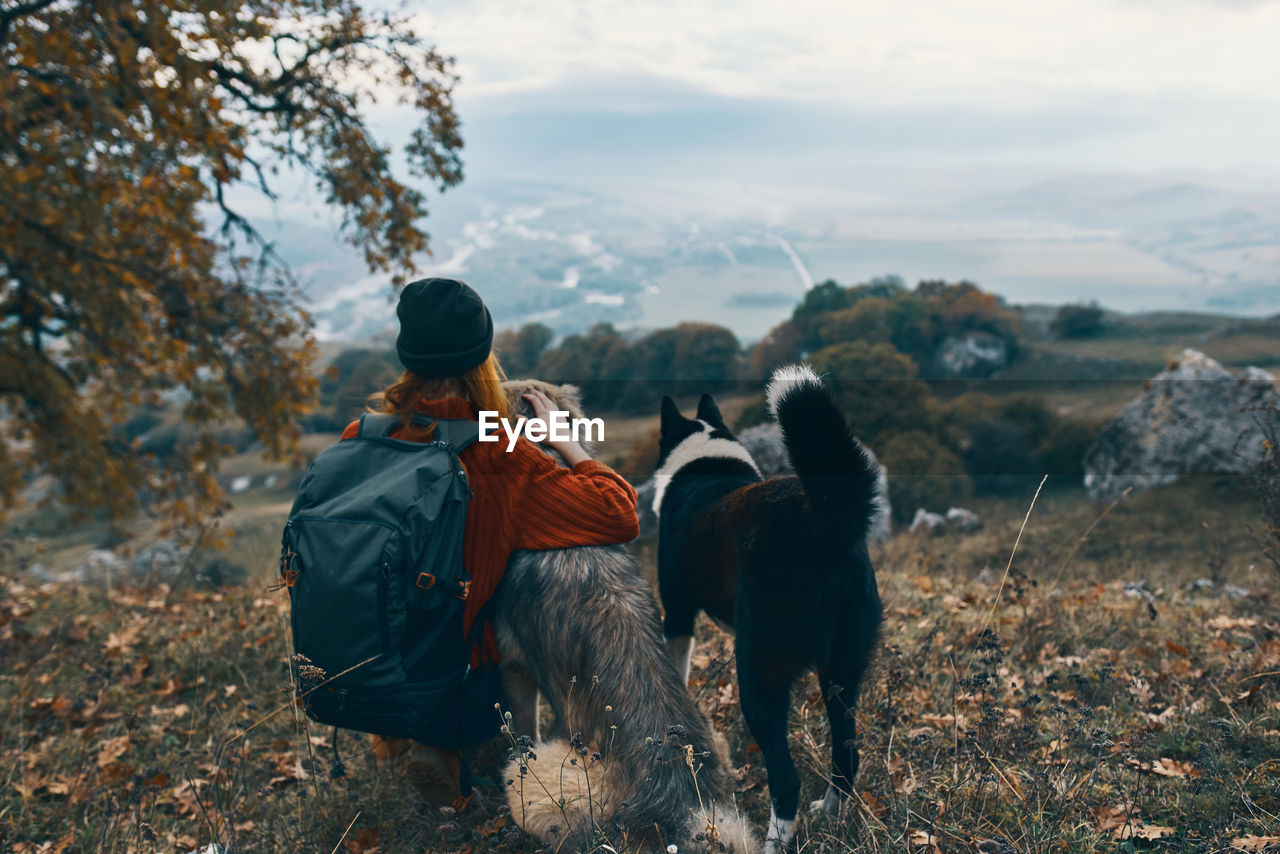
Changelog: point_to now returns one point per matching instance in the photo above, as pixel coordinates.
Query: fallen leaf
(112, 749)
(363, 839)
(921, 839)
(878, 809)
(904, 782)
(1109, 818)
(1254, 843)
(188, 803)
(1141, 830)
(1222, 623)
(1174, 768)
(121, 641)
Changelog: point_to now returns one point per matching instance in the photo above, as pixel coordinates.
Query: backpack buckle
(287, 570)
(425, 581)
(466, 589)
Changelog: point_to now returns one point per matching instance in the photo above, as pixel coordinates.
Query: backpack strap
(458, 433)
(377, 424)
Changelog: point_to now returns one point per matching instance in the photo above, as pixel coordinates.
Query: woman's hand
(572, 452)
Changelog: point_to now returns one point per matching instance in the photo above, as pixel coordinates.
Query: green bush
(998, 459)
(1062, 450)
(922, 473)
(1076, 321)
(877, 388)
(519, 350)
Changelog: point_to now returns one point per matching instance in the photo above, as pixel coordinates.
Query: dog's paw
(779, 835)
(828, 803)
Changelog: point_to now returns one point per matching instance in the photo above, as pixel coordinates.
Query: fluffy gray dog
(632, 751)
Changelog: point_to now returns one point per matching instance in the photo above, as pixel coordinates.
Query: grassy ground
(1092, 698)
(1149, 341)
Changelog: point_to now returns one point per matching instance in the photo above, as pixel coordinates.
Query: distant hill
(649, 256)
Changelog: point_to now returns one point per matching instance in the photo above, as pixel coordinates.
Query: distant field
(1151, 341)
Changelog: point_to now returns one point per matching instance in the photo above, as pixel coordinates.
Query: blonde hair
(481, 387)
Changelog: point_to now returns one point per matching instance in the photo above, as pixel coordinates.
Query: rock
(102, 564)
(644, 510)
(1189, 420)
(957, 520)
(962, 520)
(159, 561)
(1138, 590)
(764, 443)
(974, 354)
(929, 523)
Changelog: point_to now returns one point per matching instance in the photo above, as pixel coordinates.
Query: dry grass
(1107, 704)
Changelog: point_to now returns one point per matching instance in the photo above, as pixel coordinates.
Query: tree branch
(13, 13)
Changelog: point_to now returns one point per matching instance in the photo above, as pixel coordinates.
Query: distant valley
(646, 256)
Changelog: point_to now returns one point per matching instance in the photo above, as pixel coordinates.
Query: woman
(521, 498)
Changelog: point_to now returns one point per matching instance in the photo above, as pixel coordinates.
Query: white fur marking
(779, 834)
(785, 379)
(681, 649)
(699, 446)
(829, 803)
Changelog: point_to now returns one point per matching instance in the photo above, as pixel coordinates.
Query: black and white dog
(783, 562)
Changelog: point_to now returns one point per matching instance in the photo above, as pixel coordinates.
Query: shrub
(997, 457)
(1062, 450)
(521, 349)
(781, 346)
(877, 387)
(1076, 321)
(900, 320)
(922, 473)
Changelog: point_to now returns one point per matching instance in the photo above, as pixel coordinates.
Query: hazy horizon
(1112, 150)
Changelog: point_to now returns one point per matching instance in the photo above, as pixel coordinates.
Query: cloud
(1000, 54)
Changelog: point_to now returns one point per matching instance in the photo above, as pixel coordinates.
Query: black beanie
(445, 329)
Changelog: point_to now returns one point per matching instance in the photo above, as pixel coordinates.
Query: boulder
(100, 565)
(644, 510)
(957, 520)
(764, 443)
(972, 355)
(159, 561)
(963, 520)
(928, 523)
(1194, 418)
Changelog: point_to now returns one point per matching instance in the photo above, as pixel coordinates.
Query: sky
(1106, 84)
(1136, 128)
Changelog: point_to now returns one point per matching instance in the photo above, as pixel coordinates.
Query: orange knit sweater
(523, 500)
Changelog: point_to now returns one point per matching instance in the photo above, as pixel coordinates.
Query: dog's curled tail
(837, 473)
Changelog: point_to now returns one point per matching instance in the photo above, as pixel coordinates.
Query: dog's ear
(670, 413)
(709, 412)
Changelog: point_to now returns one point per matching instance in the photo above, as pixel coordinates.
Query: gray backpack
(372, 558)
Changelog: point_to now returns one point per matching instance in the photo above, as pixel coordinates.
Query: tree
(128, 277)
(520, 350)
(922, 473)
(1077, 321)
(899, 319)
(877, 387)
